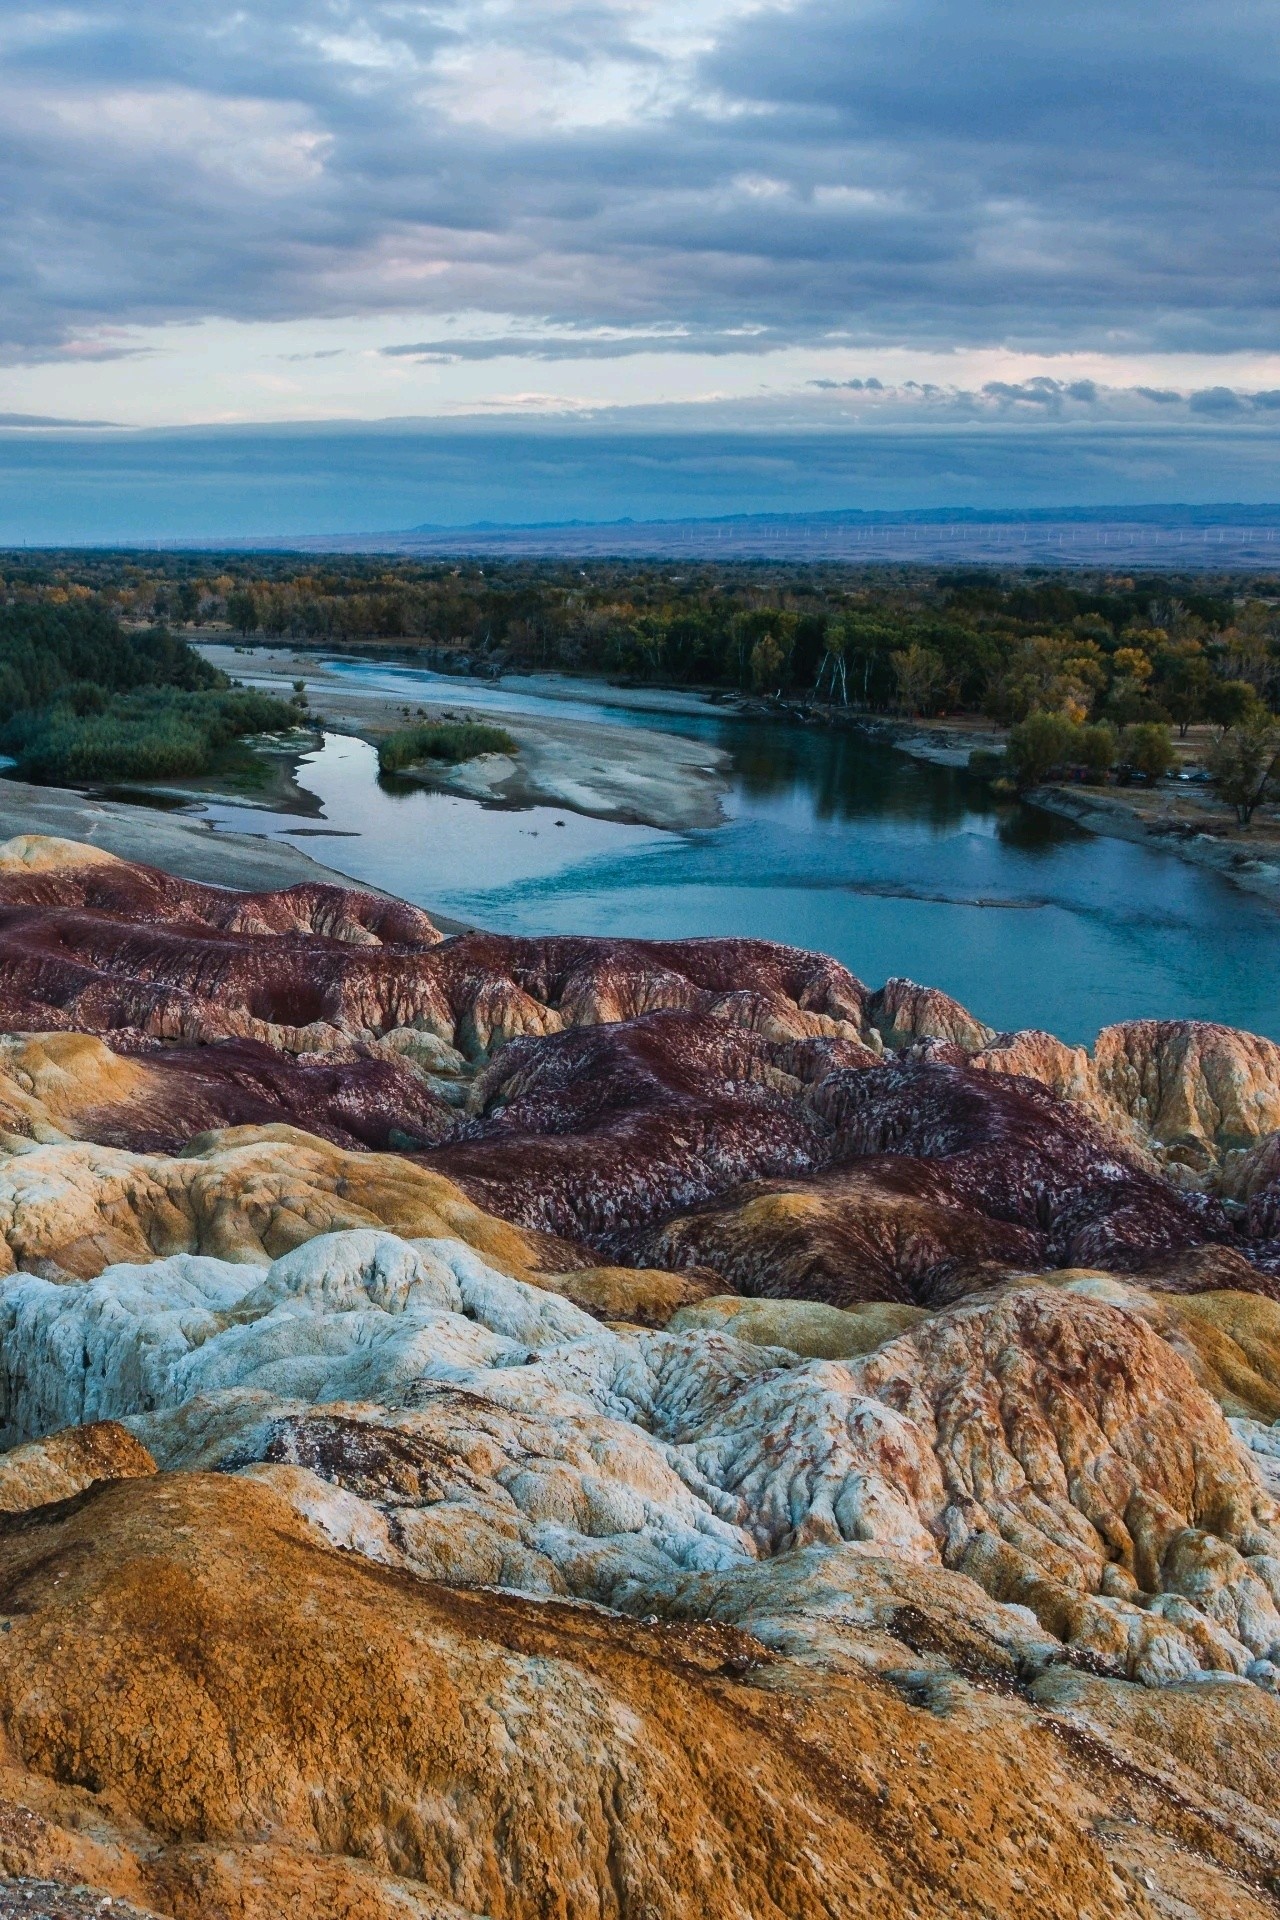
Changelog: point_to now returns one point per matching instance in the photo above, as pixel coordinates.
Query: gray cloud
(218, 483)
(1217, 400)
(580, 346)
(939, 173)
(48, 420)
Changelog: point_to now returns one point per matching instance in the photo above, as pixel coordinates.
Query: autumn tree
(919, 672)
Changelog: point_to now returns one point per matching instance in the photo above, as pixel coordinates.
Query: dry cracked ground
(599, 1430)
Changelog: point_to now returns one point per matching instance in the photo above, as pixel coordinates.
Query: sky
(1003, 254)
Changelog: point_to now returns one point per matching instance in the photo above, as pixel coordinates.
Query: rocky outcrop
(246, 1195)
(62, 1086)
(38, 870)
(1198, 1089)
(106, 946)
(847, 1237)
(903, 1013)
(305, 1732)
(595, 1132)
(63, 1464)
(718, 1104)
(1252, 1181)
(937, 1180)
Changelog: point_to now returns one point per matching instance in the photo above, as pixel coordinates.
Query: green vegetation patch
(155, 733)
(449, 740)
(50, 651)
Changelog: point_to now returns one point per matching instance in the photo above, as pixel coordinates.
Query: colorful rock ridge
(565, 1429)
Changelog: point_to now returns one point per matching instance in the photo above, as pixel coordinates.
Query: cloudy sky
(849, 216)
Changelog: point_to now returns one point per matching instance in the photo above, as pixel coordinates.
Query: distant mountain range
(1215, 538)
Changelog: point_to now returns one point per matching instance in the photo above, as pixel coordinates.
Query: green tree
(1039, 745)
(1095, 748)
(1183, 681)
(242, 611)
(1232, 703)
(1244, 762)
(1148, 748)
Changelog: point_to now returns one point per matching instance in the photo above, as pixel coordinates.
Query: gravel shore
(641, 777)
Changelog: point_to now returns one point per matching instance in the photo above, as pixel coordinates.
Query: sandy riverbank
(177, 842)
(639, 777)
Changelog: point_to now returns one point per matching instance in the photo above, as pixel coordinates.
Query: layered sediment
(570, 1427)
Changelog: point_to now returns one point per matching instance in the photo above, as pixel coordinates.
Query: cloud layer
(624, 176)
(103, 488)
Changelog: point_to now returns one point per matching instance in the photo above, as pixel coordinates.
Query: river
(830, 842)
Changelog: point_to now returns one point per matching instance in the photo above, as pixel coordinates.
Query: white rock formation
(431, 1412)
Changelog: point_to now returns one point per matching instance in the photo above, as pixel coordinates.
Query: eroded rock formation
(557, 1428)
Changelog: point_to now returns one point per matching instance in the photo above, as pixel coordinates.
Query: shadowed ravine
(553, 1427)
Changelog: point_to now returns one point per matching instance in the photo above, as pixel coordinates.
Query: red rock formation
(604, 1129)
(631, 1082)
(36, 871)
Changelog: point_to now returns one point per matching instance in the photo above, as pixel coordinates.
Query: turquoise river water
(829, 842)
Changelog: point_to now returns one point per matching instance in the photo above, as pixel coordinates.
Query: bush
(449, 740)
(150, 735)
(1148, 749)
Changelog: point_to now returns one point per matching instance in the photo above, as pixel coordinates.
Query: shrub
(450, 740)
(150, 735)
(986, 764)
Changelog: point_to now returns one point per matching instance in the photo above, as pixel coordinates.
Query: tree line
(1097, 670)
